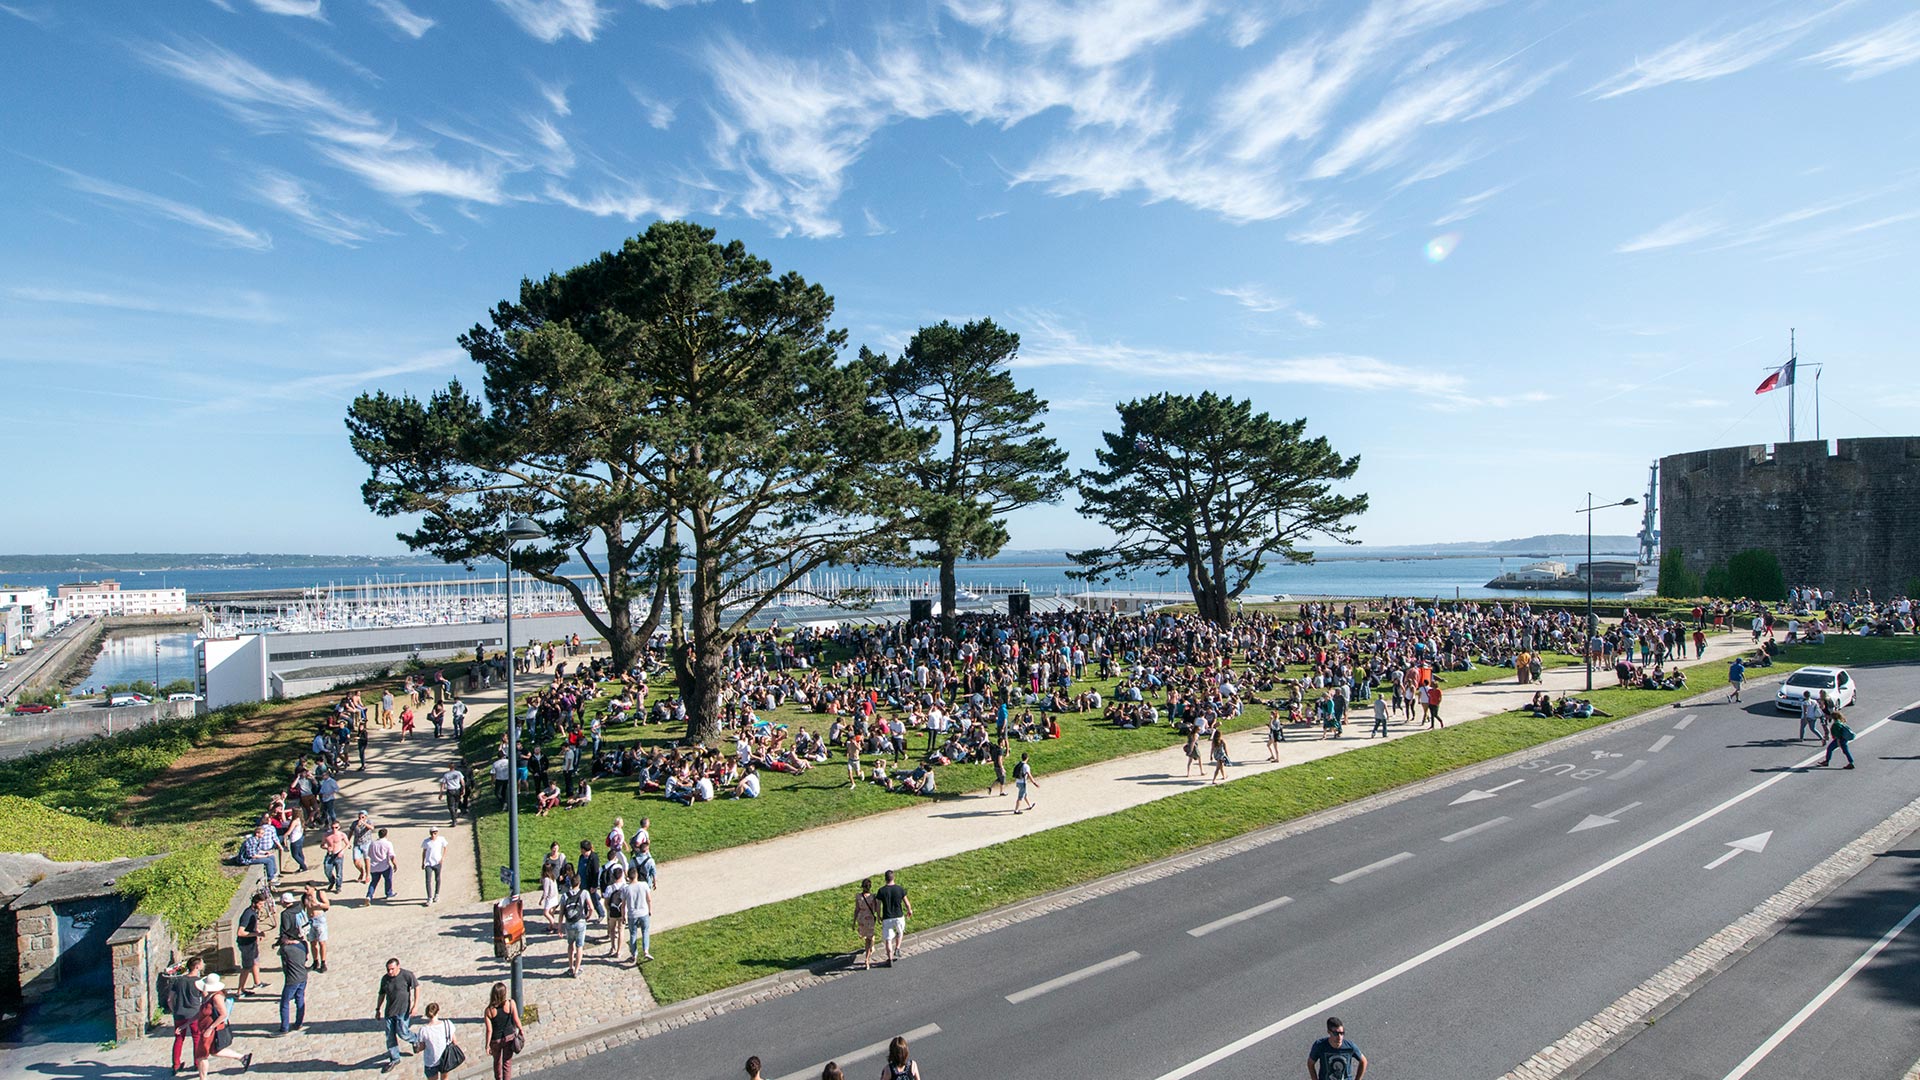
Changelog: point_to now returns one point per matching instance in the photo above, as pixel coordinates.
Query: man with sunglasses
(1334, 1058)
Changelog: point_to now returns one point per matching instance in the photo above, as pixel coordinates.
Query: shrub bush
(187, 888)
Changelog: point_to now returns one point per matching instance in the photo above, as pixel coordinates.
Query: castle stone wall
(1843, 519)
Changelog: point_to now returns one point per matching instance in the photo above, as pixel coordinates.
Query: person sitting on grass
(749, 786)
(548, 799)
(918, 782)
(582, 796)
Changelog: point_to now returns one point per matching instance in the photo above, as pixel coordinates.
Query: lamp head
(524, 528)
(1630, 501)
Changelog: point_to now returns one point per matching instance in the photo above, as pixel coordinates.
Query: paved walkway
(448, 945)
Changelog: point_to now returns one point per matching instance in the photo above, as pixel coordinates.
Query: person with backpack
(613, 874)
(574, 912)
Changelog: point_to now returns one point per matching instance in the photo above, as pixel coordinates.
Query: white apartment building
(108, 598)
(36, 609)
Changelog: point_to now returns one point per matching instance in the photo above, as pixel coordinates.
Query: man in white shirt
(703, 790)
(459, 714)
(502, 773)
(636, 899)
(380, 860)
(433, 853)
(749, 784)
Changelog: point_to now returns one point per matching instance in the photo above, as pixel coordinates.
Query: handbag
(518, 1040)
(450, 1059)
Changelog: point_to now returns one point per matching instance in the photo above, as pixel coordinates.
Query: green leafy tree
(1716, 582)
(988, 456)
(774, 458)
(1207, 487)
(1755, 573)
(561, 434)
(1676, 581)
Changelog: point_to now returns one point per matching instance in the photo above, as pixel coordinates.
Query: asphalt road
(1833, 994)
(1455, 933)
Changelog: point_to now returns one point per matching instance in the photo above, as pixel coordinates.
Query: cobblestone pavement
(448, 945)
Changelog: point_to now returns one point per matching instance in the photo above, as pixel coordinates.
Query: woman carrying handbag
(505, 1036)
(213, 1031)
(440, 1051)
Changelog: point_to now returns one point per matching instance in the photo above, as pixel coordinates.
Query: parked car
(185, 697)
(1837, 683)
(30, 708)
(115, 701)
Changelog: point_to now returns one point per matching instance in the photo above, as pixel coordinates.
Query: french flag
(1781, 377)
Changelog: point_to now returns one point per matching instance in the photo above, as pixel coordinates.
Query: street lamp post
(1586, 644)
(520, 528)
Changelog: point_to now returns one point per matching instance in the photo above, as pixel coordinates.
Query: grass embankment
(187, 787)
(792, 803)
(737, 948)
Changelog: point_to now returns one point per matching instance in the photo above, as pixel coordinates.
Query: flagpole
(1792, 354)
(1816, 400)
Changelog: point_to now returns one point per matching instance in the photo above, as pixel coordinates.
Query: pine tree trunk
(949, 591)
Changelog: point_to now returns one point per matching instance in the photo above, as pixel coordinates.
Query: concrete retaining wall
(23, 735)
(141, 949)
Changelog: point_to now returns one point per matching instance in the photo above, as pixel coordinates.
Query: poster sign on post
(509, 928)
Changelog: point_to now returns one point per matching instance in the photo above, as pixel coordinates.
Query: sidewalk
(448, 946)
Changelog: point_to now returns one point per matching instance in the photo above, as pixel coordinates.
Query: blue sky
(1504, 251)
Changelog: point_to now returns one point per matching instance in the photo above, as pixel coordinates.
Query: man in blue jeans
(259, 849)
(399, 994)
(293, 961)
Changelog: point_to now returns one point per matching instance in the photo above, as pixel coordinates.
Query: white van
(114, 701)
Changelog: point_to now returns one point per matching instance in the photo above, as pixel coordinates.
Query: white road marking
(1618, 774)
(1253, 912)
(1330, 1002)
(1068, 979)
(1371, 867)
(1756, 843)
(1560, 798)
(1476, 795)
(1471, 829)
(1684, 721)
(1595, 821)
(1774, 1040)
(872, 1050)
(1659, 744)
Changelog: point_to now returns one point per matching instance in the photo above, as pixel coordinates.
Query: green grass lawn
(792, 802)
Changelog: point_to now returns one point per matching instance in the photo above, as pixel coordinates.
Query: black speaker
(1019, 604)
(919, 611)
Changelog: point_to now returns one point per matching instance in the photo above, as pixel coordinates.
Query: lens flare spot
(1442, 246)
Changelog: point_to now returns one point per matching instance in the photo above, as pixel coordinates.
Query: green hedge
(26, 825)
(187, 887)
(94, 779)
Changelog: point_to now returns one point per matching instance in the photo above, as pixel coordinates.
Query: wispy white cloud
(659, 114)
(1112, 166)
(551, 20)
(328, 385)
(1688, 228)
(1469, 206)
(303, 9)
(1257, 299)
(406, 173)
(1877, 51)
(288, 194)
(555, 95)
(1245, 27)
(1331, 228)
(1711, 55)
(875, 227)
(404, 19)
(36, 16)
(1460, 94)
(241, 306)
(223, 230)
(558, 157)
(1093, 33)
(1048, 344)
(266, 101)
(625, 199)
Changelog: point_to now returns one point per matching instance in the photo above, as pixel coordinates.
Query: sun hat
(211, 984)
(289, 897)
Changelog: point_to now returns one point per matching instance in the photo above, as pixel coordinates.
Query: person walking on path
(213, 1032)
(1192, 749)
(866, 913)
(436, 1039)
(997, 753)
(636, 899)
(184, 1000)
(453, 785)
(1335, 1058)
(317, 905)
(576, 908)
(900, 1064)
(1022, 779)
(361, 835)
(433, 855)
(380, 861)
(1433, 706)
(393, 1006)
(895, 909)
(333, 859)
(247, 932)
(1276, 732)
(505, 1035)
(1217, 749)
(1379, 718)
(1736, 674)
(360, 739)
(1839, 736)
(294, 961)
(1812, 713)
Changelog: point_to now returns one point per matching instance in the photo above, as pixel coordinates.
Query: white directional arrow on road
(1594, 821)
(1476, 794)
(1755, 843)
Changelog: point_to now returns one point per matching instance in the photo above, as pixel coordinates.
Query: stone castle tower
(1844, 520)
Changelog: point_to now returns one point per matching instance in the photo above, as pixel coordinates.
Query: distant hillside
(1549, 544)
(100, 563)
